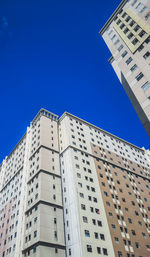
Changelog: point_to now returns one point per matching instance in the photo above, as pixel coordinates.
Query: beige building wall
(44, 230)
(90, 155)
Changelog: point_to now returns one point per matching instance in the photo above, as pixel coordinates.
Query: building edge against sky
(127, 35)
(70, 188)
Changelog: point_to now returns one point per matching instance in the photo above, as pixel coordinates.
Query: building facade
(127, 35)
(72, 189)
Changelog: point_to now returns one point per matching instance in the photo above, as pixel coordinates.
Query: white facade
(51, 199)
(127, 34)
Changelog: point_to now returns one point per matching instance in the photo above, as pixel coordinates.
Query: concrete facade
(71, 189)
(127, 35)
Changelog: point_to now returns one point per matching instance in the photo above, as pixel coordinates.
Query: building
(31, 210)
(71, 189)
(127, 35)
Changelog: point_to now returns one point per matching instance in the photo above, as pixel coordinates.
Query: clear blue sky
(52, 56)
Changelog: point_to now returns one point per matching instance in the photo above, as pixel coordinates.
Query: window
(139, 76)
(142, 33)
(105, 251)
(116, 42)
(36, 208)
(126, 30)
(94, 221)
(83, 207)
(135, 40)
(124, 54)
(94, 199)
(118, 22)
(132, 23)
(89, 248)
(116, 240)
(79, 184)
(143, 9)
(122, 26)
(55, 234)
(120, 254)
(113, 226)
(140, 48)
(69, 252)
(97, 211)
(114, 36)
(143, 234)
(130, 220)
(139, 6)
(35, 233)
(120, 48)
(146, 55)
(105, 194)
(128, 18)
(133, 232)
(99, 223)
(81, 195)
(136, 28)
(130, 35)
(108, 203)
(91, 209)
(134, 67)
(85, 219)
(134, 2)
(129, 60)
(102, 237)
(96, 235)
(110, 214)
(87, 233)
(98, 250)
(124, 15)
(34, 249)
(147, 16)
(93, 189)
(137, 245)
(140, 223)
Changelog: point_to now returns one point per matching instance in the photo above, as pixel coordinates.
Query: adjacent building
(127, 35)
(71, 189)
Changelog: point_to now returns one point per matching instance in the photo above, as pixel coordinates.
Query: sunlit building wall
(69, 188)
(127, 35)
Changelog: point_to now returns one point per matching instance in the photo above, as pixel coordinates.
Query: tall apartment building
(127, 35)
(71, 189)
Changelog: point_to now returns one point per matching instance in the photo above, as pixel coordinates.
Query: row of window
(96, 131)
(134, 67)
(141, 8)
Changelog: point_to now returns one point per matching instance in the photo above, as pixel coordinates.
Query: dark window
(89, 248)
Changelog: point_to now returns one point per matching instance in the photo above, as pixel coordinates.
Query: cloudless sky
(52, 56)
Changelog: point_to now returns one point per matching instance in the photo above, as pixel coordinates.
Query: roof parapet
(122, 4)
(46, 113)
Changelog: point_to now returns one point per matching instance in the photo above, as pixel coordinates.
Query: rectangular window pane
(139, 76)
(146, 86)
(134, 67)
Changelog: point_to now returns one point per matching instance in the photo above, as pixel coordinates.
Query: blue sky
(52, 56)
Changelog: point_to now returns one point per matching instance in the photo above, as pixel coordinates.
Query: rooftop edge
(122, 4)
